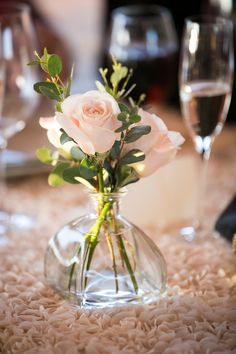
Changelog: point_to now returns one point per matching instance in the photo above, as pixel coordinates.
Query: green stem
(124, 256)
(72, 269)
(127, 262)
(92, 237)
(100, 180)
(111, 249)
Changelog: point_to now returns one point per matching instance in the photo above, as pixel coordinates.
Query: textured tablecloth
(198, 315)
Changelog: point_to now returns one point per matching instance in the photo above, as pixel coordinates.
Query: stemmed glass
(18, 102)
(143, 37)
(205, 84)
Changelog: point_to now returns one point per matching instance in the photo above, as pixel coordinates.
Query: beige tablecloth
(198, 315)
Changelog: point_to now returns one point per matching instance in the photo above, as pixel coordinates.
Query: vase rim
(120, 193)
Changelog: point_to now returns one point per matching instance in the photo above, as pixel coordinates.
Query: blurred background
(80, 31)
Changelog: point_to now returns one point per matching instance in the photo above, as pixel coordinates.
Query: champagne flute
(205, 84)
(17, 38)
(143, 37)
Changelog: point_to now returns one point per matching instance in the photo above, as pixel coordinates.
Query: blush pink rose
(90, 120)
(160, 145)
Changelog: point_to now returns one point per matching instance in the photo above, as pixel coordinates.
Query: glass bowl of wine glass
(17, 99)
(143, 37)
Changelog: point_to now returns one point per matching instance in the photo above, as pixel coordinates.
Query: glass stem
(204, 154)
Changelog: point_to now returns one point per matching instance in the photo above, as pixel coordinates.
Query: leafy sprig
(53, 87)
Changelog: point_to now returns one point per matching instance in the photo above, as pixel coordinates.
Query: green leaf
(77, 153)
(136, 132)
(123, 127)
(45, 155)
(118, 75)
(50, 93)
(108, 167)
(65, 154)
(37, 85)
(123, 107)
(44, 60)
(126, 175)
(134, 110)
(89, 184)
(109, 90)
(70, 173)
(48, 89)
(115, 150)
(34, 62)
(87, 170)
(54, 65)
(132, 156)
(64, 138)
(134, 118)
(122, 116)
(100, 86)
(56, 176)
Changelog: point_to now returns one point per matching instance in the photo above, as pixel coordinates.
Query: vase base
(103, 300)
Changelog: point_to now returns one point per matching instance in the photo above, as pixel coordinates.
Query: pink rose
(90, 120)
(160, 145)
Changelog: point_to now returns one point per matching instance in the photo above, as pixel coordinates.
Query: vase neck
(99, 200)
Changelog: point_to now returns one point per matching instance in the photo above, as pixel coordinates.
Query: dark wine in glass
(144, 38)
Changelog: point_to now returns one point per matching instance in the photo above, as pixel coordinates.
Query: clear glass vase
(101, 259)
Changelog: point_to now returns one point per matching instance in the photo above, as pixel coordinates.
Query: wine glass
(17, 39)
(205, 85)
(143, 37)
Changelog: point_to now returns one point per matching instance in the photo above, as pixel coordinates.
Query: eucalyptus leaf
(54, 65)
(123, 127)
(118, 75)
(87, 170)
(135, 118)
(115, 150)
(122, 116)
(70, 173)
(64, 138)
(50, 93)
(136, 132)
(132, 156)
(45, 155)
(34, 62)
(40, 84)
(100, 86)
(126, 175)
(89, 184)
(48, 89)
(123, 107)
(44, 60)
(56, 176)
(77, 153)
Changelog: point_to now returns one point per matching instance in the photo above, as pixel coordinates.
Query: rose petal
(176, 138)
(69, 104)
(47, 122)
(101, 137)
(75, 133)
(153, 161)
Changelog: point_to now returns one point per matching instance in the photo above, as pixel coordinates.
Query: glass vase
(101, 259)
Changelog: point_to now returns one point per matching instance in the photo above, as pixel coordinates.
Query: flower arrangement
(104, 140)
